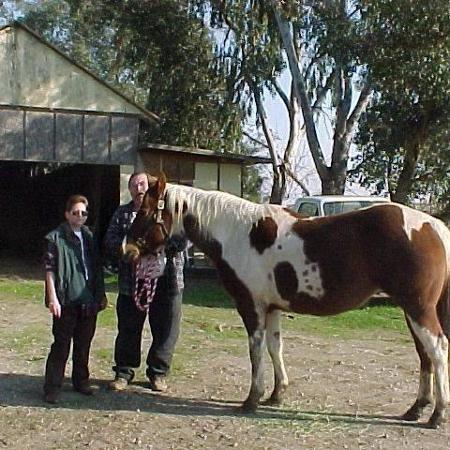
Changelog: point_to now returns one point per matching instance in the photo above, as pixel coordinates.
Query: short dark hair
(150, 179)
(133, 175)
(73, 199)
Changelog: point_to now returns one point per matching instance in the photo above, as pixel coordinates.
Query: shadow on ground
(21, 390)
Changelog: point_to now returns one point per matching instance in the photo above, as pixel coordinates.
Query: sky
(279, 124)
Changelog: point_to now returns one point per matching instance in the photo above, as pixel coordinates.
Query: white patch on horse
(437, 349)
(260, 279)
(413, 220)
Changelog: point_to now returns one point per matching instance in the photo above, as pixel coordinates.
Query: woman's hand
(55, 307)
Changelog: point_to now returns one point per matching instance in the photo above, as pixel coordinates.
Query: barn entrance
(33, 196)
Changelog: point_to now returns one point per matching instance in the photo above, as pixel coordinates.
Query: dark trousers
(164, 316)
(73, 325)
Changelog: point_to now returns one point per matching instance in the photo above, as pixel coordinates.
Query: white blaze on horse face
(124, 244)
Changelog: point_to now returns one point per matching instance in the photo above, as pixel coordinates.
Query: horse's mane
(207, 206)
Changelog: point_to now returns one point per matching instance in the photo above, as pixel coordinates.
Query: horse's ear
(156, 185)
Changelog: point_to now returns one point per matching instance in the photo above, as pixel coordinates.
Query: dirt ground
(344, 394)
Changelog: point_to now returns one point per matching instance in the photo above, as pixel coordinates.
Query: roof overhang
(213, 155)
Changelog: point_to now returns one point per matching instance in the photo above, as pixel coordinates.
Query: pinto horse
(271, 259)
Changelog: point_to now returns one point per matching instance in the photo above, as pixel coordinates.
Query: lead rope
(144, 290)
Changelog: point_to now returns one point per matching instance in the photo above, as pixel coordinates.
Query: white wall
(33, 74)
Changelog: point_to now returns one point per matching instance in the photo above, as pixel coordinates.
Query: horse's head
(152, 225)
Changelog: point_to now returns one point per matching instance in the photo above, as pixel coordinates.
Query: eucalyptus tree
(318, 44)
(404, 138)
(338, 54)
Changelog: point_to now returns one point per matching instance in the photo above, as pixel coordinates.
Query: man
(164, 312)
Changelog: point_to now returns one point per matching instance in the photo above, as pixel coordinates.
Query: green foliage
(158, 54)
(408, 54)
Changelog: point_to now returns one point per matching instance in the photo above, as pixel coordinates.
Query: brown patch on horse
(285, 280)
(358, 239)
(263, 234)
(232, 283)
(431, 279)
(287, 285)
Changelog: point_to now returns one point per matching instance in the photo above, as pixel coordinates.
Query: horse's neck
(213, 216)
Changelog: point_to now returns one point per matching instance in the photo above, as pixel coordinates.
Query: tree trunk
(278, 187)
(334, 183)
(406, 178)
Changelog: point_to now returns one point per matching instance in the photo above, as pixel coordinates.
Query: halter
(157, 216)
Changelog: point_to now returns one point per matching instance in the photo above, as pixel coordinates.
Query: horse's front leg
(256, 342)
(275, 347)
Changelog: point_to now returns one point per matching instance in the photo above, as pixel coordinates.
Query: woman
(74, 294)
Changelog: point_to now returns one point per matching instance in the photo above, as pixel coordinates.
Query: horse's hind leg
(256, 342)
(425, 394)
(435, 344)
(275, 347)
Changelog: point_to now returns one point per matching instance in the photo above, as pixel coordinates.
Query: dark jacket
(63, 257)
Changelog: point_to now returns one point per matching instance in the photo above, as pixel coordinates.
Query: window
(178, 170)
(309, 209)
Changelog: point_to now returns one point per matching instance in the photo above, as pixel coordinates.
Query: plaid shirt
(118, 227)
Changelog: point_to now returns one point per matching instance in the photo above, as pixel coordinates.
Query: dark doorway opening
(33, 196)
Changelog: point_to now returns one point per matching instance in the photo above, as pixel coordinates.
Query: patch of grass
(370, 318)
(24, 289)
(105, 354)
(26, 339)
(215, 322)
(207, 293)
(107, 317)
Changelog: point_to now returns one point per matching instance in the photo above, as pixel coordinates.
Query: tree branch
(294, 178)
(300, 92)
(253, 139)
(361, 105)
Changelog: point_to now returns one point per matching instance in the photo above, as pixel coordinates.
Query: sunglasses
(79, 213)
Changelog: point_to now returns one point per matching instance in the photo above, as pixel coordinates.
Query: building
(63, 130)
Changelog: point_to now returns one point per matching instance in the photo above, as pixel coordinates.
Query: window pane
(310, 209)
(170, 168)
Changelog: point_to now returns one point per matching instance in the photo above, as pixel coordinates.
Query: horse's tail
(443, 306)
(443, 309)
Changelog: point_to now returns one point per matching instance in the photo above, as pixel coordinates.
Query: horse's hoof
(248, 407)
(436, 420)
(273, 401)
(412, 415)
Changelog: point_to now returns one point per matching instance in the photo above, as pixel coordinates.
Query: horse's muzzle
(130, 251)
